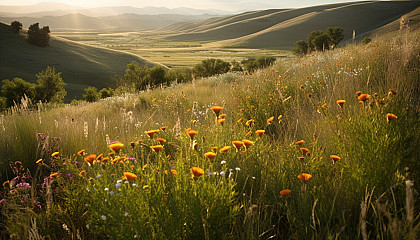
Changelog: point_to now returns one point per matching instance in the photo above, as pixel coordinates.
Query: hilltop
(81, 65)
(281, 28)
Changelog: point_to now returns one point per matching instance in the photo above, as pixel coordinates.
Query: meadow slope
(81, 65)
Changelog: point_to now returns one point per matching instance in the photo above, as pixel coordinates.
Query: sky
(228, 5)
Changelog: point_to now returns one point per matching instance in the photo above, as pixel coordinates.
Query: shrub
(210, 67)
(50, 86)
(91, 94)
(39, 36)
(13, 91)
(16, 26)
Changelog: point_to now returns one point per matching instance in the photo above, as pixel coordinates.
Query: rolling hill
(81, 65)
(280, 29)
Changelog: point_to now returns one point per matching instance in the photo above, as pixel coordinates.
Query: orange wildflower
(247, 143)
(90, 179)
(301, 87)
(157, 148)
(301, 158)
(151, 133)
(221, 121)
(305, 151)
(249, 122)
(105, 159)
(53, 175)
(130, 176)
(300, 142)
(161, 140)
(81, 152)
(260, 132)
(89, 159)
(225, 149)
(55, 154)
(304, 177)
(239, 121)
(39, 160)
(163, 128)
(210, 155)
(116, 147)
(363, 97)
(270, 120)
(82, 172)
(197, 172)
(390, 117)
(139, 141)
(214, 149)
(173, 171)
(393, 92)
(358, 93)
(192, 133)
(222, 115)
(341, 102)
(99, 157)
(285, 192)
(216, 110)
(111, 154)
(237, 144)
(6, 183)
(335, 158)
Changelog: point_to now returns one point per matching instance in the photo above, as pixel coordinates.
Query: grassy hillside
(81, 65)
(282, 28)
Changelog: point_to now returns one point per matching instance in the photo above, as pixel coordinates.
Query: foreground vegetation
(293, 151)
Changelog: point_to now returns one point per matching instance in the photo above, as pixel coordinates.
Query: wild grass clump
(319, 147)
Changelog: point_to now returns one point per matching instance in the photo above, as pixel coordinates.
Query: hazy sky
(232, 5)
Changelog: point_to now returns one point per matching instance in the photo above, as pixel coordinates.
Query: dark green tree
(236, 67)
(106, 92)
(13, 91)
(210, 67)
(37, 36)
(157, 76)
(336, 35)
(16, 26)
(50, 86)
(301, 48)
(263, 62)
(91, 94)
(179, 75)
(135, 76)
(311, 36)
(3, 104)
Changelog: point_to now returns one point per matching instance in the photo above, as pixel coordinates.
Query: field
(293, 151)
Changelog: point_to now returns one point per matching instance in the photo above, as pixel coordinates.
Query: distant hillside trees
(50, 86)
(260, 62)
(210, 67)
(320, 41)
(16, 26)
(39, 36)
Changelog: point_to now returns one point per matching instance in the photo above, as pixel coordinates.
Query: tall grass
(367, 193)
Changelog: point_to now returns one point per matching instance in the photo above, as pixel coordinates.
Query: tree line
(320, 41)
(36, 36)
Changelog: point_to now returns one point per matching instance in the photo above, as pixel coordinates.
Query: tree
(106, 92)
(263, 62)
(157, 76)
(210, 67)
(13, 91)
(311, 36)
(50, 86)
(236, 67)
(335, 35)
(37, 36)
(135, 76)
(179, 75)
(3, 104)
(16, 26)
(301, 48)
(91, 94)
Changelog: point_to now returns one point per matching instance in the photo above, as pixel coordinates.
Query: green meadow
(319, 147)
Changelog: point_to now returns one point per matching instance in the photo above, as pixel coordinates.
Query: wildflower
(285, 192)
(222, 115)
(249, 122)
(305, 151)
(248, 133)
(247, 143)
(193, 121)
(301, 158)
(55, 154)
(197, 172)
(111, 154)
(304, 177)
(105, 159)
(157, 148)
(222, 173)
(224, 149)
(90, 179)
(192, 133)
(300, 142)
(260, 132)
(98, 176)
(161, 140)
(341, 102)
(130, 176)
(39, 161)
(237, 144)
(6, 183)
(324, 105)
(390, 117)
(53, 175)
(173, 171)
(163, 128)
(82, 172)
(301, 87)
(239, 121)
(117, 185)
(194, 145)
(81, 152)
(221, 121)
(99, 157)
(335, 158)
(363, 97)
(151, 133)
(391, 91)
(116, 147)
(126, 214)
(237, 169)
(139, 141)
(216, 110)
(358, 93)
(89, 159)
(270, 120)
(309, 95)
(103, 217)
(223, 162)
(279, 117)
(106, 189)
(210, 155)
(133, 144)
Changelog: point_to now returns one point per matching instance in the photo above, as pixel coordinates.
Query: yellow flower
(304, 177)
(81, 152)
(247, 143)
(335, 158)
(116, 147)
(305, 151)
(270, 120)
(239, 121)
(225, 149)
(391, 117)
(341, 102)
(157, 148)
(300, 142)
(210, 155)
(260, 132)
(161, 140)
(197, 172)
(130, 176)
(39, 160)
(249, 122)
(163, 128)
(285, 192)
(192, 133)
(55, 154)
